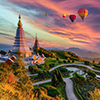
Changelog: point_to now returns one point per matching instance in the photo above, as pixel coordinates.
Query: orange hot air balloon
(83, 12)
(72, 17)
(63, 15)
(39, 14)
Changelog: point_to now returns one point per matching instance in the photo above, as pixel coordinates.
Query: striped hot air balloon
(83, 12)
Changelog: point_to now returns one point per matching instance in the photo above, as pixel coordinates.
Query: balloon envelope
(46, 14)
(72, 17)
(63, 15)
(83, 12)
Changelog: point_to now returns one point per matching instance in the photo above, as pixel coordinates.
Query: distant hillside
(60, 54)
(84, 53)
(5, 47)
(97, 60)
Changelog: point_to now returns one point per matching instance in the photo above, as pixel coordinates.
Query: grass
(61, 88)
(33, 76)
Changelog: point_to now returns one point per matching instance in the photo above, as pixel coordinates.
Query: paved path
(69, 87)
(64, 65)
(68, 81)
(73, 65)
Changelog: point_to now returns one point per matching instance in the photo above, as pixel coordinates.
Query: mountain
(5, 47)
(84, 53)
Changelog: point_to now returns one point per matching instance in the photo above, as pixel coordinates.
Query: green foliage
(58, 58)
(58, 54)
(57, 74)
(54, 80)
(64, 61)
(52, 91)
(32, 68)
(68, 61)
(91, 73)
(60, 61)
(73, 61)
(76, 91)
(3, 52)
(86, 62)
(63, 70)
(96, 65)
(93, 61)
(51, 65)
(79, 78)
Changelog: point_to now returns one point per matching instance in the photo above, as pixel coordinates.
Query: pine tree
(54, 80)
(60, 77)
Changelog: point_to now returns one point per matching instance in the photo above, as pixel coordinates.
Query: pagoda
(36, 45)
(20, 41)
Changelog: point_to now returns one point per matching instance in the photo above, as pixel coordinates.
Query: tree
(73, 61)
(58, 58)
(86, 62)
(95, 95)
(54, 80)
(60, 77)
(46, 66)
(68, 61)
(32, 68)
(64, 61)
(93, 61)
(91, 73)
(19, 53)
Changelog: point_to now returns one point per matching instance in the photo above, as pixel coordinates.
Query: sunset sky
(52, 31)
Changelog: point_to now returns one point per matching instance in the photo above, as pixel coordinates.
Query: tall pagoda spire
(20, 41)
(36, 45)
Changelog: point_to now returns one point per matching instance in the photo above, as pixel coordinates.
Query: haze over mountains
(85, 54)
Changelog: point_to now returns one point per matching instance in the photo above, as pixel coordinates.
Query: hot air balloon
(83, 12)
(63, 15)
(39, 14)
(72, 17)
(46, 14)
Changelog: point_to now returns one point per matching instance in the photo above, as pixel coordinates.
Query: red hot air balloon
(72, 17)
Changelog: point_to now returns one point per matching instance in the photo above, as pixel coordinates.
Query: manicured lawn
(60, 88)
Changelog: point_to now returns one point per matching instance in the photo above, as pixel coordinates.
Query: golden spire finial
(19, 22)
(19, 16)
(36, 37)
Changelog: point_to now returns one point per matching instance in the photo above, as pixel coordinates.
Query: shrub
(46, 66)
(64, 61)
(68, 61)
(91, 73)
(63, 70)
(32, 68)
(96, 65)
(86, 62)
(51, 65)
(60, 61)
(58, 58)
(52, 91)
(73, 61)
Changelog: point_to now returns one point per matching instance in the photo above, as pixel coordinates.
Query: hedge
(76, 92)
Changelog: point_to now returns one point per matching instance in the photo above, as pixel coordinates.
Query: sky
(52, 31)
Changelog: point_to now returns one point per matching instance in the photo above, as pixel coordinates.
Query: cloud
(57, 0)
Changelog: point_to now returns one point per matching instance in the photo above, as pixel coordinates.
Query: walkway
(69, 87)
(68, 81)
